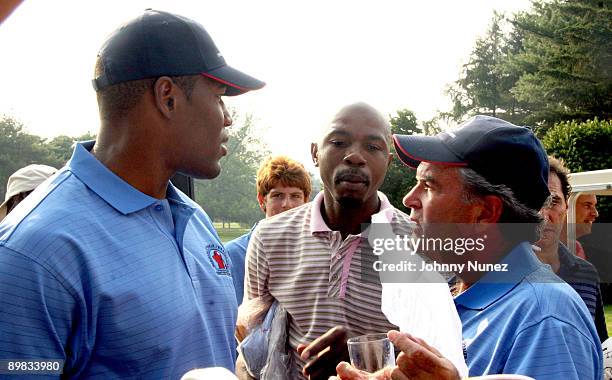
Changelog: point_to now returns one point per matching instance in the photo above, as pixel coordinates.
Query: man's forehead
(554, 182)
(358, 115)
(285, 189)
(587, 198)
(349, 129)
(426, 169)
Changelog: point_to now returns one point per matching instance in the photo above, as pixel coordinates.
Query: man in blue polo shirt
(107, 269)
(488, 179)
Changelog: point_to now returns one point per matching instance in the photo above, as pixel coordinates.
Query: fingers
(426, 345)
(347, 372)
(300, 348)
(323, 365)
(325, 353)
(334, 337)
(419, 360)
(397, 374)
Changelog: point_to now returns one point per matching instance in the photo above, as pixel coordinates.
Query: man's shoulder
(543, 295)
(575, 269)
(238, 244)
(50, 224)
(46, 208)
(288, 220)
(58, 217)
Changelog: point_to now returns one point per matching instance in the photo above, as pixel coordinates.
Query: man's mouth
(352, 177)
(223, 145)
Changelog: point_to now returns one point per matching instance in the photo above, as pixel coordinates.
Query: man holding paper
(489, 178)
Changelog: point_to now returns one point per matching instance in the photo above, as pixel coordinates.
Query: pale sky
(315, 56)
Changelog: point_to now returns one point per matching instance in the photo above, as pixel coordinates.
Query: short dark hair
(557, 166)
(519, 222)
(117, 100)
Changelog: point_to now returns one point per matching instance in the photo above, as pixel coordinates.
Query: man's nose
(410, 200)
(285, 202)
(546, 214)
(355, 158)
(227, 118)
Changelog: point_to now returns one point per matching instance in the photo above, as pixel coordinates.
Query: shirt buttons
(159, 208)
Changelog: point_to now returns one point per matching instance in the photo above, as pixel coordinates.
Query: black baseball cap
(160, 43)
(501, 152)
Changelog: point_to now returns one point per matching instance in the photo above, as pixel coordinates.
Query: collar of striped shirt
(317, 224)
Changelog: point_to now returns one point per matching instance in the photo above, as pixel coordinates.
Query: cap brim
(414, 149)
(236, 81)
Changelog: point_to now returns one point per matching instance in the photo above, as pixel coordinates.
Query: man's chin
(210, 172)
(583, 229)
(350, 203)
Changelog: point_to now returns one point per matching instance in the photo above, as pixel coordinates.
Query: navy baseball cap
(160, 43)
(501, 152)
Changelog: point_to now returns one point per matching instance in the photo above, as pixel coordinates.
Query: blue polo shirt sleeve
(553, 349)
(37, 314)
(236, 251)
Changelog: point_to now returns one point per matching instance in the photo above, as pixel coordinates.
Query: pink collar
(317, 224)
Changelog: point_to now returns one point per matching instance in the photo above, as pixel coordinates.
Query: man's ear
(165, 92)
(262, 202)
(390, 160)
(314, 152)
(491, 208)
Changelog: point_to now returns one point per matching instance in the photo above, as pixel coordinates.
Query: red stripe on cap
(225, 82)
(397, 144)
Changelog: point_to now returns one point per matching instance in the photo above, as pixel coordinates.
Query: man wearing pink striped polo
(310, 258)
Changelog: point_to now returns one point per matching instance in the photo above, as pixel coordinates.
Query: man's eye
(337, 142)
(374, 147)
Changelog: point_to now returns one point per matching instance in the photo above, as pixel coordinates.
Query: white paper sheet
(421, 303)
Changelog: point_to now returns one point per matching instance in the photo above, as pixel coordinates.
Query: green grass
(226, 234)
(608, 313)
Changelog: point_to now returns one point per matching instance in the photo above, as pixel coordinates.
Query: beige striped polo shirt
(316, 275)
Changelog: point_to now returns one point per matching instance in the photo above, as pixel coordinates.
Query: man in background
(21, 183)
(578, 273)
(115, 272)
(282, 184)
(586, 213)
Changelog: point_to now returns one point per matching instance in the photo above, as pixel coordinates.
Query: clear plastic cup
(371, 352)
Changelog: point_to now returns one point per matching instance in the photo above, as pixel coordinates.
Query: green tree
(18, 149)
(60, 148)
(232, 197)
(565, 60)
(583, 146)
(485, 82)
(400, 179)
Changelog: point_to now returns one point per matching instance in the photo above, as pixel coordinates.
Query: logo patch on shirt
(218, 260)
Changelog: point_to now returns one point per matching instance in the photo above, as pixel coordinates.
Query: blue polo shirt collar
(492, 286)
(107, 185)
